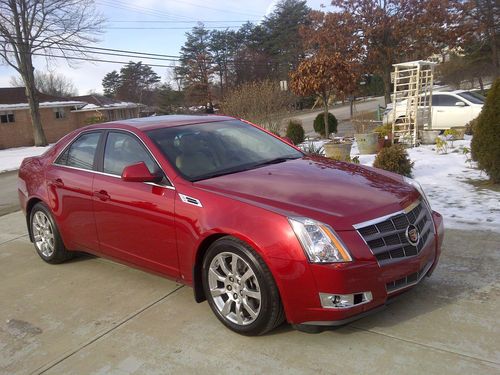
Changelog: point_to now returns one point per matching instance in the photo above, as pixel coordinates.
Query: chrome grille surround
(385, 236)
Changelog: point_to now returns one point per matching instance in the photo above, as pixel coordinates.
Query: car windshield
(207, 150)
(472, 97)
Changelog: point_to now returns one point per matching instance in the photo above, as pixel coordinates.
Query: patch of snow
(10, 159)
(444, 178)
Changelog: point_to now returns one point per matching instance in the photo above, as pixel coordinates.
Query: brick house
(59, 115)
(106, 109)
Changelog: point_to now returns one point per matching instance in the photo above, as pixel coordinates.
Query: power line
(218, 9)
(169, 21)
(167, 28)
(94, 60)
(140, 9)
(141, 55)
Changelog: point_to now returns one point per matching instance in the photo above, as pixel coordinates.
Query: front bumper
(360, 276)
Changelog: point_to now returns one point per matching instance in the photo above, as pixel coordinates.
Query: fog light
(344, 301)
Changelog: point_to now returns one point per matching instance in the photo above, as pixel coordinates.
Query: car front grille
(409, 280)
(386, 237)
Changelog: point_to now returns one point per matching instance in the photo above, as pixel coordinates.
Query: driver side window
(124, 149)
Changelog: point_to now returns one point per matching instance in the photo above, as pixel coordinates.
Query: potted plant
(338, 149)
(384, 133)
(367, 141)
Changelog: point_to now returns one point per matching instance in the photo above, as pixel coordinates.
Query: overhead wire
(135, 54)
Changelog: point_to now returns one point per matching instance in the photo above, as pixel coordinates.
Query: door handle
(440, 110)
(58, 182)
(102, 195)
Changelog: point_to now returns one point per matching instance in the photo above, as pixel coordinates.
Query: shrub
(95, 120)
(469, 127)
(312, 150)
(319, 124)
(486, 140)
(394, 159)
(383, 131)
(295, 131)
(441, 145)
(262, 103)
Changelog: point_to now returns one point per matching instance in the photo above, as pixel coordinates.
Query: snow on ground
(10, 159)
(444, 178)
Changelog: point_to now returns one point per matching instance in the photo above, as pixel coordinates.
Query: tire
(46, 238)
(245, 299)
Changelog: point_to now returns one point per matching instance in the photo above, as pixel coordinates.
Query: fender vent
(190, 200)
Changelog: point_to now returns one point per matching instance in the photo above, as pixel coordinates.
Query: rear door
(135, 220)
(69, 183)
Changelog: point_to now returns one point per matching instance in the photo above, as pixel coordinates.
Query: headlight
(319, 241)
(419, 188)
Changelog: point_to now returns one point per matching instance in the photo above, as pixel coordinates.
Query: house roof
(15, 98)
(99, 102)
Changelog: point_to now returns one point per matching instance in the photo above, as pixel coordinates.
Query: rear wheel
(46, 237)
(240, 288)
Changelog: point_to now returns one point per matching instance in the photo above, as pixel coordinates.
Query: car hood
(337, 193)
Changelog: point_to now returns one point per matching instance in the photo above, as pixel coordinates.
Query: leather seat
(193, 159)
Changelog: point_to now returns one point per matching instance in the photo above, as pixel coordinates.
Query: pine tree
(486, 140)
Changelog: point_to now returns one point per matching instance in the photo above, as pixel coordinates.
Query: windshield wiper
(244, 168)
(275, 161)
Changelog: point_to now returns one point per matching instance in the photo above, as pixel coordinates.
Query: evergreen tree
(196, 65)
(111, 83)
(486, 140)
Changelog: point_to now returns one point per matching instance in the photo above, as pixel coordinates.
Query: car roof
(156, 122)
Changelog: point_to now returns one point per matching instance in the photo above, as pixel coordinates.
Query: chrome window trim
(110, 175)
(386, 217)
(171, 186)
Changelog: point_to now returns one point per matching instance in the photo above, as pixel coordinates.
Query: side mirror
(139, 173)
(460, 104)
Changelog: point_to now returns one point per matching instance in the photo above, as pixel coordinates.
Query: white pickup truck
(450, 109)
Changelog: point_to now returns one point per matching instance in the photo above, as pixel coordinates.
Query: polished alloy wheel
(43, 234)
(234, 288)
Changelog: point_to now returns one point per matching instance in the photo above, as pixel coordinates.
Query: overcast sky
(179, 14)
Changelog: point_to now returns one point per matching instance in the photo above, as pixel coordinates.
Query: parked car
(449, 109)
(259, 229)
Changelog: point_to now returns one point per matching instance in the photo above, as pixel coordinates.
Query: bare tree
(49, 83)
(46, 28)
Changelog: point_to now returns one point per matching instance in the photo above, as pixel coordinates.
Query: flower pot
(367, 143)
(428, 137)
(382, 142)
(338, 151)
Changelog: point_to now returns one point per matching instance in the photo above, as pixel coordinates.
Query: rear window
(472, 97)
(81, 153)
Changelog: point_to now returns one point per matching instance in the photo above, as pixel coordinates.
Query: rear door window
(81, 153)
(445, 100)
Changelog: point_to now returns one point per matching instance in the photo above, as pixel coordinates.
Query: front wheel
(46, 237)
(240, 288)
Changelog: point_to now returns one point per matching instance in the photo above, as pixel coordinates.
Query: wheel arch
(199, 294)
(29, 206)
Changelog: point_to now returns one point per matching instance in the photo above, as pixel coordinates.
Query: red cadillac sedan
(260, 230)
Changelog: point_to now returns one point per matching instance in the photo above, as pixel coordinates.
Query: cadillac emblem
(412, 235)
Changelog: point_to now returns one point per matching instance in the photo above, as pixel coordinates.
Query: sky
(128, 27)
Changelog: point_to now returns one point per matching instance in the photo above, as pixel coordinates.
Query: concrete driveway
(9, 201)
(93, 316)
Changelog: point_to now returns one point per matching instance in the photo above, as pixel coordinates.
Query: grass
(483, 184)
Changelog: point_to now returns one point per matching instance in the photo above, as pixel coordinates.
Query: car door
(135, 220)
(447, 114)
(69, 185)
